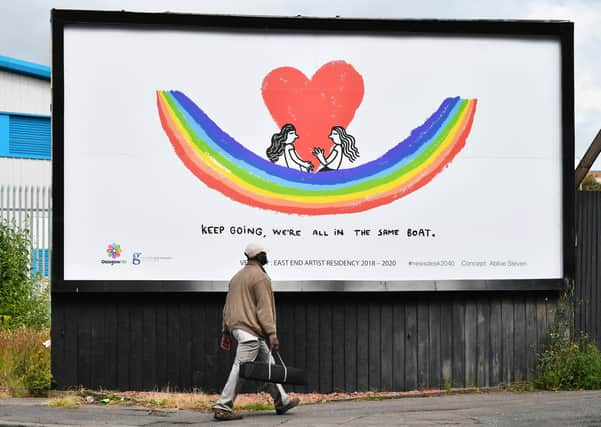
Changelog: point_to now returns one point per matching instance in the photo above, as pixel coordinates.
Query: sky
(25, 29)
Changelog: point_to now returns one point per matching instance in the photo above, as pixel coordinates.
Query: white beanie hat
(253, 249)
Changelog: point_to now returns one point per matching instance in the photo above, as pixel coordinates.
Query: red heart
(313, 106)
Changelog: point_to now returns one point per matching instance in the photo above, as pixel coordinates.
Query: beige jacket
(249, 304)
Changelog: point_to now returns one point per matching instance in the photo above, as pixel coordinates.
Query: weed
(569, 364)
(257, 407)
(446, 384)
(69, 402)
(24, 362)
(372, 397)
(571, 360)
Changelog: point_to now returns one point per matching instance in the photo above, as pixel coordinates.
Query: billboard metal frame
(560, 31)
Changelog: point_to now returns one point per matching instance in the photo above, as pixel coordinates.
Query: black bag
(271, 373)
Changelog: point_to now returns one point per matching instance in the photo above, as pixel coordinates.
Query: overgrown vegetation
(571, 360)
(24, 361)
(24, 300)
(569, 363)
(24, 318)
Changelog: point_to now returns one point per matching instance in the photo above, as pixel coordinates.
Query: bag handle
(281, 361)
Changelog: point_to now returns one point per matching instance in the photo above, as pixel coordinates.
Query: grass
(69, 402)
(256, 407)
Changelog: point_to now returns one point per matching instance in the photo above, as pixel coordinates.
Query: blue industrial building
(25, 153)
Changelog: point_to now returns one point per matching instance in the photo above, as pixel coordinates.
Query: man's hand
(226, 342)
(274, 343)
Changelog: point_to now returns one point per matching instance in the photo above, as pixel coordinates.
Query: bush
(24, 300)
(569, 364)
(24, 361)
(590, 183)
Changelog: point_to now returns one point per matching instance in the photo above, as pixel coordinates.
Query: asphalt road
(486, 409)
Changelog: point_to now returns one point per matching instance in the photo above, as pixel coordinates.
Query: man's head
(256, 251)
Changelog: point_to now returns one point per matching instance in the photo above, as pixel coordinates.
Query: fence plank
(531, 336)
(374, 359)
(483, 341)
(186, 346)
(446, 342)
(496, 342)
(458, 319)
(595, 327)
(398, 346)
(434, 368)
(85, 365)
(411, 345)
(162, 331)
(471, 343)
(363, 347)
(135, 357)
(520, 336)
(507, 319)
(312, 338)
(338, 347)
(386, 345)
(350, 345)
(423, 344)
(325, 348)
(300, 325)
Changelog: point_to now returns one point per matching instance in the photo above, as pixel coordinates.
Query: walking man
(249, 317)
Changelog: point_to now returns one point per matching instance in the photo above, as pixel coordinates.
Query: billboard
(365, 154)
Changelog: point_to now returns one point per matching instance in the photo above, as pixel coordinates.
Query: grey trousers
(247, 352)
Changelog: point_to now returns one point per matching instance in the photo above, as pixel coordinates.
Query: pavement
(580, 408)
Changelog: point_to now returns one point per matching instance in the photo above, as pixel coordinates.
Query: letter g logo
(136, 258)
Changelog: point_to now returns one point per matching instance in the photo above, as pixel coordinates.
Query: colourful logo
(113, 250)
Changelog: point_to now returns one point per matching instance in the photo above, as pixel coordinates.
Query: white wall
(25, 171)
(27, 95)
(22, 94)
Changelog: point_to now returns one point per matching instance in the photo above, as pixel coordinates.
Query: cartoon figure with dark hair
(344, 145)
(283, 143)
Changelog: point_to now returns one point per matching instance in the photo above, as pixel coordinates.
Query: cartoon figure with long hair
(283, 143)
(344, 145)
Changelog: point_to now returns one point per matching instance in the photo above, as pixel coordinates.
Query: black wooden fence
(587, 293)
(392, 341)
(344, 341)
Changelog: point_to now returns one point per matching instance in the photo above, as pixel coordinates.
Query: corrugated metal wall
(15, 172)
(587, 294)
(28, 137)
(24, 94)
(344, 341)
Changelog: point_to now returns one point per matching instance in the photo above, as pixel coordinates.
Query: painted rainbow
(225, 165)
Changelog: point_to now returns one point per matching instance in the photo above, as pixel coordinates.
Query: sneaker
(291, 404)
(221, 415)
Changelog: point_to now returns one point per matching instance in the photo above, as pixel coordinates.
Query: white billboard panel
(354, 157)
